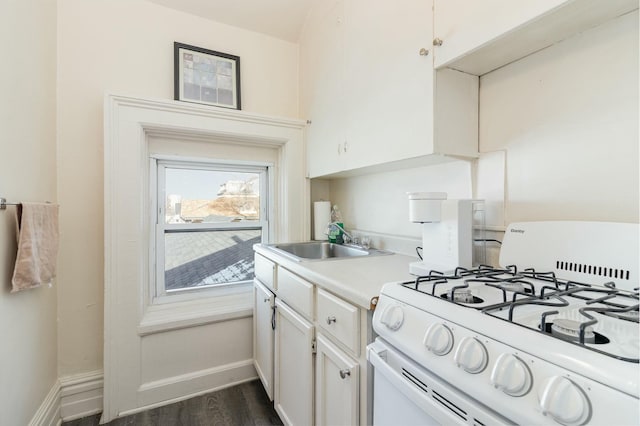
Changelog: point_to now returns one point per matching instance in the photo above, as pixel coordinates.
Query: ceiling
(282, 19)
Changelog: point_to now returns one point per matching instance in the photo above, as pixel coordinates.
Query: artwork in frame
(206, 77)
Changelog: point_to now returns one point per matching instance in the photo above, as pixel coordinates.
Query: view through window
(209, 218)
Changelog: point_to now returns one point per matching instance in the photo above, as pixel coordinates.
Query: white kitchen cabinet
(265, 271)
(329, 387)
(480, 36)
(294, 337)
(389, 106)
(389, 86)
(337, 401)
(464, 25)
(263, 321)
(322, 86)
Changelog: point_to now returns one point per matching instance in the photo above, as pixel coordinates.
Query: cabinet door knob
(437, 41)
(344, 373)
(266, 299)
(424, 52)
(331, 319)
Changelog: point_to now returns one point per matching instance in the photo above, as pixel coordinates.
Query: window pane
(211, 196)
(197, 259)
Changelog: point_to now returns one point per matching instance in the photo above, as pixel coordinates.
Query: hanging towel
(37, 245)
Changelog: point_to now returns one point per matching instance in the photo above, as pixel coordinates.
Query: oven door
(406, 393)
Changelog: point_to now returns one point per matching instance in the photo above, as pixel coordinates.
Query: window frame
(157, 167)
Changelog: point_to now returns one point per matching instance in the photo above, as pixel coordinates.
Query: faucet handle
(365, 242)
(347, 239)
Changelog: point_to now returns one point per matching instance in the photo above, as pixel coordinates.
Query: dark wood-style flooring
(245, 404)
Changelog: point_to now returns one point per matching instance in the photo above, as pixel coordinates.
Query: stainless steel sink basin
(322, 250)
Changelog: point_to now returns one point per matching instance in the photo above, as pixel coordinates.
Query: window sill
(173, 316)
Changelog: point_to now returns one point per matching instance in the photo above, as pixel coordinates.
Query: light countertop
(355, 279)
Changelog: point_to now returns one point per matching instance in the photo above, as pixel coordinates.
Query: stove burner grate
(505, 280)
(632, 316)
(527, 287)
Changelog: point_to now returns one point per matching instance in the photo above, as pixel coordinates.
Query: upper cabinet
(390, 84)
(479, 36)
(369, 89)
(322, 85)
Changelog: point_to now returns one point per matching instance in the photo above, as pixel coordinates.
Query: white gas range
(552, 337)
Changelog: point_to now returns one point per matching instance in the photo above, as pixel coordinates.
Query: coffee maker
(452, 232)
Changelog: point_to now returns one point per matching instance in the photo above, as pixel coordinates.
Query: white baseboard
(48, 414)
(185, 386)
(81, 395)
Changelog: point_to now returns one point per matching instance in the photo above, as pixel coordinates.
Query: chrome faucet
(362, 242)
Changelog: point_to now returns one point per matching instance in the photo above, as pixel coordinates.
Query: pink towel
(37, 245)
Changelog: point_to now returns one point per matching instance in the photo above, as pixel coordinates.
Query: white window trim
(129, 123)
(157, 292)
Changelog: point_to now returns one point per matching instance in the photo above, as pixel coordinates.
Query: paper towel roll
(321, 218)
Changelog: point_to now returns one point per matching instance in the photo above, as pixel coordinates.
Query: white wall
(567, 117)
(28, 353)
(379, 203)
(126, 47)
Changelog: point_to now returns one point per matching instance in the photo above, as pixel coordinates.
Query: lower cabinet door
(293, 367)
(337, 384)
(263, 303)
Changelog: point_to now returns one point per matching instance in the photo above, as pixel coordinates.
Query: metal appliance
(449, 228)
(550, 337)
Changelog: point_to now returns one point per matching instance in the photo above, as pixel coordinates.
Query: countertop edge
(356, 288)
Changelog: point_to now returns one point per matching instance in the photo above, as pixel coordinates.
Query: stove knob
(564, 401)
(511, 375)
(392, 317)
(471, 355)
(438, 339)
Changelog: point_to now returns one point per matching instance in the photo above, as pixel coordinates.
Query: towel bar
(4, 204)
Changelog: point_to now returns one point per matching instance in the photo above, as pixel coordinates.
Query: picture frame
(205, 76)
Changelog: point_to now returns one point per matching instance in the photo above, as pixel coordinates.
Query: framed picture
(206, 77)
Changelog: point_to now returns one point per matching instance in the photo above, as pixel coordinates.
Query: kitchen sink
(322, 250)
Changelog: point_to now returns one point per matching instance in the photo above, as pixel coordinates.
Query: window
(209, 216)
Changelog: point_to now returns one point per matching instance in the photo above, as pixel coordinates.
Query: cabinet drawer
(265, 271)
(298, 293)
(340, 319)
